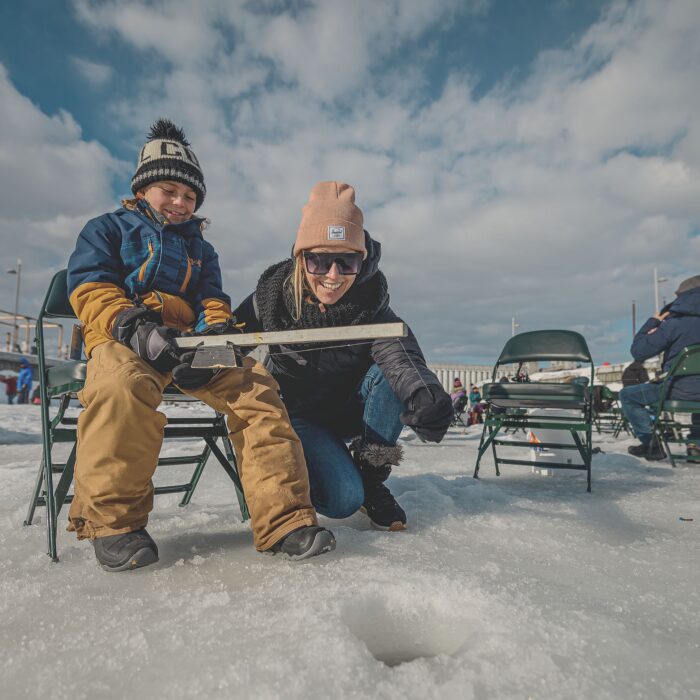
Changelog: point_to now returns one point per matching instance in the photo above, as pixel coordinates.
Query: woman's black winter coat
(320, 382)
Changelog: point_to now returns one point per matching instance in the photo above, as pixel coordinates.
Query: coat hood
(370, 265)
(24, 362)
(687, 304)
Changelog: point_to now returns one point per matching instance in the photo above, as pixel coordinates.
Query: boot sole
(396, 526)
(142, 558)
(324, 541)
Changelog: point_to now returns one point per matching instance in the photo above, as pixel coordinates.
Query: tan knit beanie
(331, 219)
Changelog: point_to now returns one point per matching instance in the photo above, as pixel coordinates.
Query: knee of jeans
(344, 499)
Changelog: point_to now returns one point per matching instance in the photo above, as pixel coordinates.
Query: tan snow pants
(120, 433)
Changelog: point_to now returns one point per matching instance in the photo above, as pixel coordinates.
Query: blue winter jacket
(25, 376)
(678, 330)
(132, 256)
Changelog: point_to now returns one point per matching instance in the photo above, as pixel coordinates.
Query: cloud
(52, 182)
(97, 74)
(551, 199)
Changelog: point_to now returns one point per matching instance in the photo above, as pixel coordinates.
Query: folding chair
(607, 414)
(460, 408)
(508, 404)
(62, 381)
(666, 424)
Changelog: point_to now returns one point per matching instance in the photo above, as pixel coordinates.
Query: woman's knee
(342, 497)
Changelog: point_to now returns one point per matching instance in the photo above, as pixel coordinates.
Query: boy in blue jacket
(666, 332)
(139, 277)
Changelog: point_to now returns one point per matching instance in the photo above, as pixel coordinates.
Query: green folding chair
(508, 404)
(666, 424)
(61, 382)
(607, 414)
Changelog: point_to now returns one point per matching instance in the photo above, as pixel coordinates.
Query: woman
(358, 392)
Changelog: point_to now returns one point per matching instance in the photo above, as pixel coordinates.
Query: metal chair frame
(63, 429)
(537, 346)
(686, 363)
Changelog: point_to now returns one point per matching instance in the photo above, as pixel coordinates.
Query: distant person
(458, 395)
(635, 373)
(667, 332)
(24, 381)
(474, 395)
(10, 382)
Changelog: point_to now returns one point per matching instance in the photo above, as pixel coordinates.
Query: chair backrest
(545, 345)
(687, 362)
(56, 303)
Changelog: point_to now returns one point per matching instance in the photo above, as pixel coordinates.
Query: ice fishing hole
(397, 632)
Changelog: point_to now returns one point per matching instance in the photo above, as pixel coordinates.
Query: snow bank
(512, 587)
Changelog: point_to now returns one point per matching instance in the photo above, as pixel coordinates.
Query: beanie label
(336, 233)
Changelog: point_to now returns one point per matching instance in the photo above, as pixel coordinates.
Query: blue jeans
(373, 413)
(634, 401)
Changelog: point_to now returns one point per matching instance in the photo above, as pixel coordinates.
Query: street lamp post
(15, 329)
(657, 281)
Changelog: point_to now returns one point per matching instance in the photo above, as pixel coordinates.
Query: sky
(531, 159)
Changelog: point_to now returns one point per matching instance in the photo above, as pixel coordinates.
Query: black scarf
(360, 304)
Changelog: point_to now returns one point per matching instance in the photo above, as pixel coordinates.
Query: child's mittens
(141, 329)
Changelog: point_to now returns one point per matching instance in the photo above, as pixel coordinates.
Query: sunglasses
(321, 263)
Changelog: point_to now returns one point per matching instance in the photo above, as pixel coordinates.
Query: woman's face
(331, 287)
(174, 200)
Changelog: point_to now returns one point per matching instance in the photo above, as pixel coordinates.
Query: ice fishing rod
(220, 350)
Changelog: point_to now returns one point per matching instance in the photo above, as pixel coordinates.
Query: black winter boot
(127, 551)
(305, 542)
(655, 450)
(375, 462)
(637, 450)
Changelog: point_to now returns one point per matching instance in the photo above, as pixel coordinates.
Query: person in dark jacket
(362, 393)
(24, 381)
(635, 373)
(667, 332)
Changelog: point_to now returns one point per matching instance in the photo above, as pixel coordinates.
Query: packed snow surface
(522, 586)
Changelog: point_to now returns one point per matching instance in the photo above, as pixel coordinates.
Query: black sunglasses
(321, 263)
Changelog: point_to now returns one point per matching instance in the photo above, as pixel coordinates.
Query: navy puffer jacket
(678, 330)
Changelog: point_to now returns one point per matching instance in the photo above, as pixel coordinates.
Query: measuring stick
(219, 350)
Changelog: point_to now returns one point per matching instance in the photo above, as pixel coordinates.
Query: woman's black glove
(141, 329)
(429, 413)
(190, 378)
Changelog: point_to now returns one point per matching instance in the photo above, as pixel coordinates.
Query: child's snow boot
(375, 462)
(129, 550)
(305, 542)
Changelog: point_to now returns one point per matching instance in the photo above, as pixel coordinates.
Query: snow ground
(521, 586)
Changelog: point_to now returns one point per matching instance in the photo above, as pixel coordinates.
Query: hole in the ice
(399, 633)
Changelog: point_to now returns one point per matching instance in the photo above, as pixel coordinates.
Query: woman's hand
(430, 416)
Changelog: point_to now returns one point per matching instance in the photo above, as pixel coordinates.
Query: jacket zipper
(142, 271)
(188, 274)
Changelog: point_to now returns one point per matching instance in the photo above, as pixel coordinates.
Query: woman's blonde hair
(297, 286)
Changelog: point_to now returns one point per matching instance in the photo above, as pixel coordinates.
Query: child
(138, 278)
(24, 381)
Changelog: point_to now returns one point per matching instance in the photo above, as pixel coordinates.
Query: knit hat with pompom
(167, 155)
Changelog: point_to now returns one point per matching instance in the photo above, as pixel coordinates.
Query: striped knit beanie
(167, 155)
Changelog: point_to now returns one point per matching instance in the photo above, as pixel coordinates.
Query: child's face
(175, 201)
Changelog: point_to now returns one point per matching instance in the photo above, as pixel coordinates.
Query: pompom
(165, 129)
